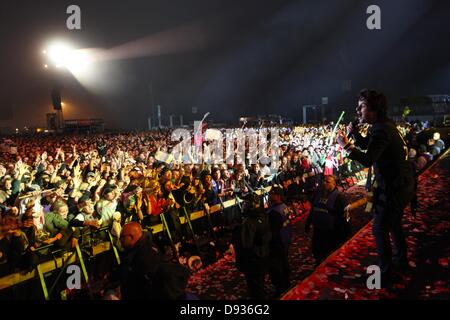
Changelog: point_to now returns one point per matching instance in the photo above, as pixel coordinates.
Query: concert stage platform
(343, 275)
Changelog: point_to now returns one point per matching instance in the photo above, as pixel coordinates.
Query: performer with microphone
(387, 152)
(353, 128)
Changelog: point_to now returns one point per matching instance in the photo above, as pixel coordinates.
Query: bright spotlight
(81, 63)
(58, 54)
(78, 61)
(62, 55)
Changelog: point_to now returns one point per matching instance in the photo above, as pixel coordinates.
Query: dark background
(230, 58)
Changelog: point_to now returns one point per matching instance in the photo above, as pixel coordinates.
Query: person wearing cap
(87, 216)
(86, 220)
(107, 205)
(90, 174)
(59, 228)
(33, 193)
(133, 202)
(281, 230)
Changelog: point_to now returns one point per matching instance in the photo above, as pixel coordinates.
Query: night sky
(230, 58)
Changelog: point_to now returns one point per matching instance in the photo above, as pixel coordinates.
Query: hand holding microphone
(344, 139)
(352, 126)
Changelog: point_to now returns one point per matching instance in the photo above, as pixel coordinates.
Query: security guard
(251, 244)
(281, 230)
(330, 227)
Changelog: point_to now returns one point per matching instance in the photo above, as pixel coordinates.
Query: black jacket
(137, 270)
(387, 152)
(251, 242)
(340, 225)
(146, 275)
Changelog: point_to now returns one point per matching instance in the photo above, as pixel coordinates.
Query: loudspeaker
(56, 97)
(51, 121)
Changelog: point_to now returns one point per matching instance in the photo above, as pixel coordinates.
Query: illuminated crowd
(55, 189)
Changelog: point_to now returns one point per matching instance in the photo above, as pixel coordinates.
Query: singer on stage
(385, 150)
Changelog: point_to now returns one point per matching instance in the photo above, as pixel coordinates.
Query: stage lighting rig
(62, 55)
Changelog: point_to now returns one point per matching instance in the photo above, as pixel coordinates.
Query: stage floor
(343, 275)
(222, 281)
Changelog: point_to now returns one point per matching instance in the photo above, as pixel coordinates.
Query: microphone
(355, 124)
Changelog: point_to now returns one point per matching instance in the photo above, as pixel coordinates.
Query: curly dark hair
(376, 101)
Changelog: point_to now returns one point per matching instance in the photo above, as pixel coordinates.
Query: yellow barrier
(48, 266)
(45, 267)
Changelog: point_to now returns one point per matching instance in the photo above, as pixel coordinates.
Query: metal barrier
(69, 257)
(76, 256)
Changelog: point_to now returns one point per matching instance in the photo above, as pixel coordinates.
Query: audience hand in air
(342, 139)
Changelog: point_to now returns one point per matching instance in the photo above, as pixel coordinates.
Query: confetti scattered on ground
(222, 281)
(427, 236)
(343, 275)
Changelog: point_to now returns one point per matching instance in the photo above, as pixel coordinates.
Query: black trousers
(279, 270)
(255, 284)
(324, 242)
(387, 222)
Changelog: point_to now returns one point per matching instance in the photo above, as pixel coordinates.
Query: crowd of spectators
(57, 189)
